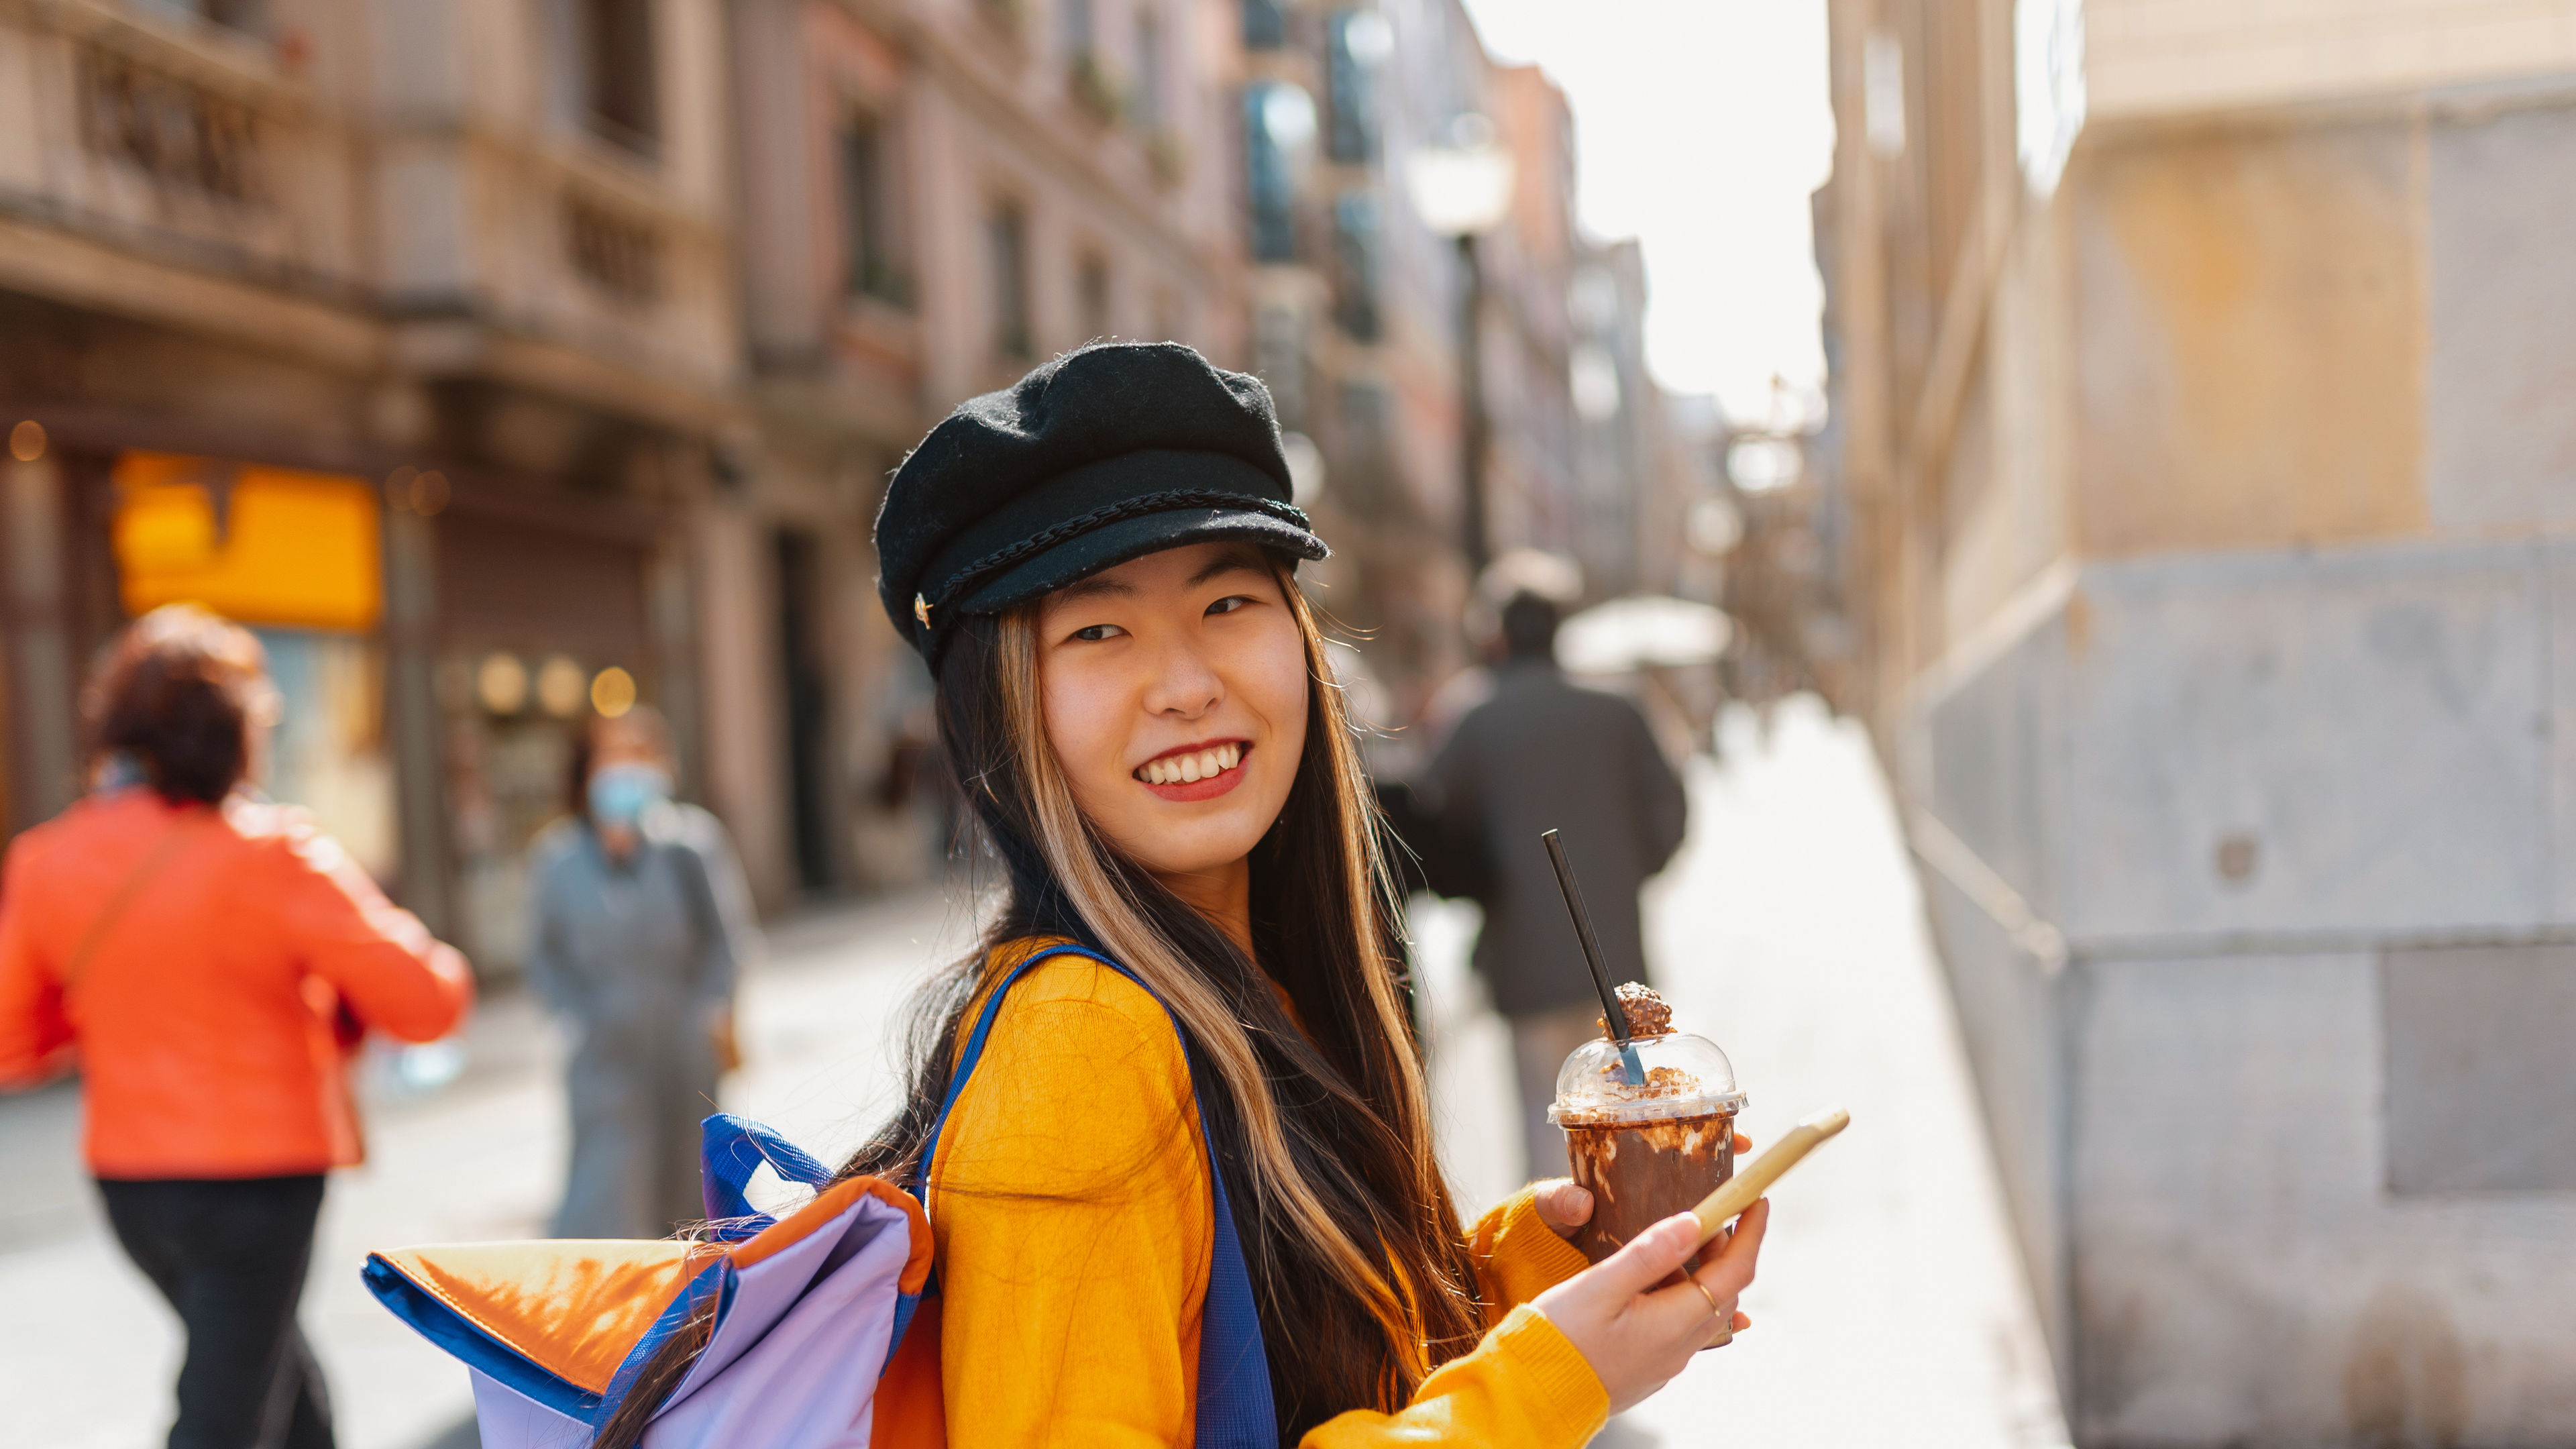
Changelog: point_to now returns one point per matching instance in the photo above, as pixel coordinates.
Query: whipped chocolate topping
(1647, 1013)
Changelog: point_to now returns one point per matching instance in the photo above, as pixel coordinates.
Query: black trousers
(230, 1256)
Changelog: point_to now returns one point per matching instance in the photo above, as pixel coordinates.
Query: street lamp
(1461, 191)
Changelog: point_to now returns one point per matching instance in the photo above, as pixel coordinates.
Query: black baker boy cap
(1105, 454)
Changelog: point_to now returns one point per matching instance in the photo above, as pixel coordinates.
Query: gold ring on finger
(1713, 1310)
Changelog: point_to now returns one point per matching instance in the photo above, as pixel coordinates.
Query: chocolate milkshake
(1645, 1149)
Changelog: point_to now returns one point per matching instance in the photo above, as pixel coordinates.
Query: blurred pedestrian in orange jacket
(210, 962)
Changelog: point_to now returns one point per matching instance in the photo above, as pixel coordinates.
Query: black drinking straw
(1613, 1014)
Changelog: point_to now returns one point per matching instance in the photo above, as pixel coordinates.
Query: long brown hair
(1358, 1263)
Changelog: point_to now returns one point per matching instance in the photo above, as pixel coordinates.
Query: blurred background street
(1891, 1307)
(2083, 492)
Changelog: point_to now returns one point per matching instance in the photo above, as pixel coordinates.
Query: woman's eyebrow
(1096, 586)
(1225, 563)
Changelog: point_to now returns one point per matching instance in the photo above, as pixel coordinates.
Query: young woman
(1098, 565)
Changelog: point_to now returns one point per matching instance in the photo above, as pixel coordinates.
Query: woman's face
(1174, 689)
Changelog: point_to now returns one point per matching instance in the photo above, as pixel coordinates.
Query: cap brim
(1112, 544)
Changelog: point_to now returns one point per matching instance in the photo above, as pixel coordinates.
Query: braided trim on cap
(1082, 523)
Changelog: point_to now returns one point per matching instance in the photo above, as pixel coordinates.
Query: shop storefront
(543, 623)
(298, 557)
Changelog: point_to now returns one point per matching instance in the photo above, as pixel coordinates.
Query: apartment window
(1091, 287)
(1148, 100)
(1364, 469)
(868, 267)
(1357, 43)
(1265, 25)
(1357, 233)
(1006, 244)
(617, 72)
(1278, 126)
(1279, 355)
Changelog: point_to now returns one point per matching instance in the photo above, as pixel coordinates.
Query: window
(1356, 234)
(1265, 25)
(1006, 242)
(617, 72)
(1279, 355)
(1357, 43)
(1149, 108)
(1091, 283)
(868, 267)
(1279, 126)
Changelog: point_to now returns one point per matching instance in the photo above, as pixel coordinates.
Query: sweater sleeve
(1075, 1223)
(1523, 1385)
(1517, 1255)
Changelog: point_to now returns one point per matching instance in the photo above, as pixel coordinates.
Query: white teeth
(1188, 769)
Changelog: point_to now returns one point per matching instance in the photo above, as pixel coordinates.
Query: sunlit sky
(1700, 127)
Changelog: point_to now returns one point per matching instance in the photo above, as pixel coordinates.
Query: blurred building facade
(404, 332)
(933, 198)
(507, 363)
(2196, 379)
(1360, 321)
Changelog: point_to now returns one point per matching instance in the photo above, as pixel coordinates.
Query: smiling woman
(1175, 695)
(1168, 1122)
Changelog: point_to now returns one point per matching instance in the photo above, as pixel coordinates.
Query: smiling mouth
(1195, 765)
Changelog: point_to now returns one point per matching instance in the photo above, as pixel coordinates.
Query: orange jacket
(206, 1020)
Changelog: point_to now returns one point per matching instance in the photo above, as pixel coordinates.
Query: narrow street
(1890, 1309)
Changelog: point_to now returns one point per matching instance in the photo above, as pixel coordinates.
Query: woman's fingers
(1649, 1258)
(1743, 1144)
(1563, 1206)
(1730, 1267)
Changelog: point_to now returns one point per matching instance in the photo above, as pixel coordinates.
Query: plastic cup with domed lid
(1645, 1151)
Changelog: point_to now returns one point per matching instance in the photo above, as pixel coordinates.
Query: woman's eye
(1229, 604)
(1097, 632)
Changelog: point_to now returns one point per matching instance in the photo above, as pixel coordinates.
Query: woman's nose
(1183, 684)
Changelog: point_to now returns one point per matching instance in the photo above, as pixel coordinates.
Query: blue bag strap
(732, 1149)
(1235, 1409)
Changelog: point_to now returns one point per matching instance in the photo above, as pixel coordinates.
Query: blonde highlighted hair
(1318, 1116)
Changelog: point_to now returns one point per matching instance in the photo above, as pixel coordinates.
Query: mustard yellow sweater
(1075, 1224)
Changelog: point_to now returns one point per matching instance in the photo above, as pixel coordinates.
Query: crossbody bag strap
(127, 891)
(1235, 1409)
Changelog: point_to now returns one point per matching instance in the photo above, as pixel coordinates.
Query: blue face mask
(620, 794)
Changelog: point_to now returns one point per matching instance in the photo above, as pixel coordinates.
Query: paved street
(1890, 1309)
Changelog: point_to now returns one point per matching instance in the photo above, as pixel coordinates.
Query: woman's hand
(1562, 1205)
(1565, 1207)
(1637, 1336)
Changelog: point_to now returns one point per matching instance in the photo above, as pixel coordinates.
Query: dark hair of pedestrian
(1529, 626)
(642, 719)
(176, 694)
(1358, 1263)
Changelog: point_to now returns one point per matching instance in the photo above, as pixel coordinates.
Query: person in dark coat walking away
(1542, 754)
(642, 919)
